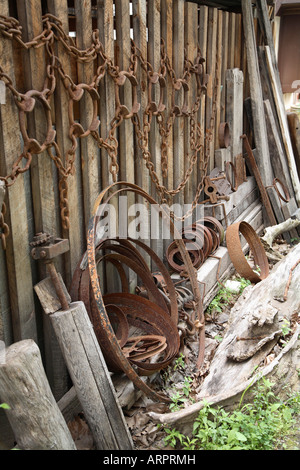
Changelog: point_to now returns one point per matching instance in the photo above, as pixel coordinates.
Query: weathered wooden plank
(90, 154)
(238, 42)
(17, 253)
(219, 79)
(225, 32)
(259, 122)
(167, 36)
(282, 115)
(139, 24)
(203, 28)
(211, 59)
(107, 105)
(178, 63)
(91, 378)
(75, 234)
(154, 47)
(190, 32)
(278, 158)
(123, 48)
(34, 416)
(235, 109)
(294, 128)
(43, 171)
(231, 40)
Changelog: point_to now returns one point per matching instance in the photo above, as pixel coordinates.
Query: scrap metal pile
(139, 333)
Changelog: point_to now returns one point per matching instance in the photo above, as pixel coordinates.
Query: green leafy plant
(4, 406)
(179, 362)
(260, 425)
(220, 301)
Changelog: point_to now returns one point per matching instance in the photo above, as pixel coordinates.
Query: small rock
(233, 286)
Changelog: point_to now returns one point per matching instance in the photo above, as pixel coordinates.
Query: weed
(261, 425)
(4, 406)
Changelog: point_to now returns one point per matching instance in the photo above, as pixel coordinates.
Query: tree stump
(34, 416)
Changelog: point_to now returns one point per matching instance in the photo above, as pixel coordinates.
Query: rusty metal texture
(264, 195)
(237, 256)
(224, 135)
(157, 316)
(201, 239)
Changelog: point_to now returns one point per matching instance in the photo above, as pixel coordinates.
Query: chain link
(53, 31)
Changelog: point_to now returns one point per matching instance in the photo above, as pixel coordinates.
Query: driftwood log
(254, 328)
(34, 416)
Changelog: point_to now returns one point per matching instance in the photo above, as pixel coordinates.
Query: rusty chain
(4, 229)
(53, 31)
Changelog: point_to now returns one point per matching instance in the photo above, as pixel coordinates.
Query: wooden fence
(36, 202)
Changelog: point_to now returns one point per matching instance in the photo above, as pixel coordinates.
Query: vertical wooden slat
(178, 61)
(203, 29)
(167, 36)
(43, 171)
(218, 78)
(154, 48)
(139, 10)
(75, 234)
(190, 33)
(17, 253)
(231, 40)
(126, 139)
(90, 154)
(224, 62)
(211, 69)
(105, 25)
(238, 42)
(123, 46)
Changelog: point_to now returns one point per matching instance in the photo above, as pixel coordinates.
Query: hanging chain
(65, 164)
(4, 229)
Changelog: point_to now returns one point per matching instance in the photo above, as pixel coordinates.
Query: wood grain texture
(34, 415)
(91, 378)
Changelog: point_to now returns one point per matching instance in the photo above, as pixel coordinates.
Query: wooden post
(34, 415)
(235, 109)
(91, 378)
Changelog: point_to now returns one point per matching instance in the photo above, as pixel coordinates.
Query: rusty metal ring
(228, 164)
(76, 95)
(286, 197)
(224, 135)
(237, 256)
(102, 314)
(26, 106)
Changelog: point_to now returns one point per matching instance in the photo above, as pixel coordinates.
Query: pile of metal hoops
(155, 342)
(202, 239)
